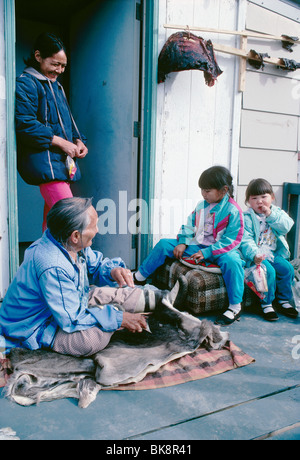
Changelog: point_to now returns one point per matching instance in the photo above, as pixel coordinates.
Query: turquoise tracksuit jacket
(280, 223)
(51, 291)
(228, 227)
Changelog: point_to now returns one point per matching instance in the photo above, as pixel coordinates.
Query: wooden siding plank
(268, 131)
(194, 125)
(273, 165)
(262, 20)
(267, 93)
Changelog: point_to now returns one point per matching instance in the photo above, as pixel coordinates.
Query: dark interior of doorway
(55, 15)
(104, 43)
(55, 12)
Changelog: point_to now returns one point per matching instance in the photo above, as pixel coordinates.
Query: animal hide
(41, 375)
(45, 375)
(186, 51)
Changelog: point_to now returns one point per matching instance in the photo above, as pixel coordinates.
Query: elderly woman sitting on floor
(50, 303)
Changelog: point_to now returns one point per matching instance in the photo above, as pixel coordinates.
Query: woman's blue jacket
(50, 290)
(42, 111)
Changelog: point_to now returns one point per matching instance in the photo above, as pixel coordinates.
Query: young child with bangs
(266, 226)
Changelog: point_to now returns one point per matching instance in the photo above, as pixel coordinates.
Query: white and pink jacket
(228, 227)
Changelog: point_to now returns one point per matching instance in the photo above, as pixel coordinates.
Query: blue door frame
(10, 76)
(149, 123)
(149, 118)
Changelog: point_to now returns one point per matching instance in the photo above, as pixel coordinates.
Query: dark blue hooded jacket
(42, 111)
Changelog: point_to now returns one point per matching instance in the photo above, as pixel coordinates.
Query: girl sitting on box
(212, 234)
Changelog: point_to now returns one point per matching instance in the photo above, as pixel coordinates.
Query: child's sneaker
(201, 265)
(137, 282)
(269, 313)
(228, 317)
(286, 309)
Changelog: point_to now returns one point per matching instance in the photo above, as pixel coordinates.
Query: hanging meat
(186, 51)
(289, 64)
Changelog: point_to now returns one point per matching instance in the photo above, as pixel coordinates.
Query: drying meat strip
(257, 59)
(289, 64)
(186, 51)
(287, 44)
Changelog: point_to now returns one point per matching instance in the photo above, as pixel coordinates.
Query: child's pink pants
(53, 192)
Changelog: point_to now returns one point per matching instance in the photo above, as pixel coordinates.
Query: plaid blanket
(197, 365)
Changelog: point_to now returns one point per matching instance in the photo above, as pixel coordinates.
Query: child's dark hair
(47, 44)
(216, 177)
(258, 187)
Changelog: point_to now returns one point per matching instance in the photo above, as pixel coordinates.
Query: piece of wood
(243, 66)
(243, 33)
(244, 54)
(273, 131)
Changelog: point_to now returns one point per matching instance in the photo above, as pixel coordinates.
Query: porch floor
(261, 400)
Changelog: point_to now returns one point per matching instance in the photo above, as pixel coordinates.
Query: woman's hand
(179, 250)
(82, 149)
(122, 276)
(68, 147)
(78, 150)
(134, 322)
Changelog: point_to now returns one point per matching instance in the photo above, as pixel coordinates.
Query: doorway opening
(103, 85)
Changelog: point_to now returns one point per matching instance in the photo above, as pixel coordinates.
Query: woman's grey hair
(68, 215)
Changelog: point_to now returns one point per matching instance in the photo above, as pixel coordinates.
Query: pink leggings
(53, 192)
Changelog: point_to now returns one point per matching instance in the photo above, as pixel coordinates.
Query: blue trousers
(280, 275)
(231, 265)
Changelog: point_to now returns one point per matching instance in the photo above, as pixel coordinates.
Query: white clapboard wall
(194, 121)
(270, 107)
(254, 133)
